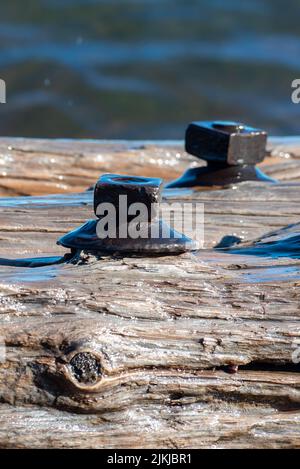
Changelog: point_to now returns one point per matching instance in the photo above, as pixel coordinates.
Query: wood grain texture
(37, 166)
(164, 329)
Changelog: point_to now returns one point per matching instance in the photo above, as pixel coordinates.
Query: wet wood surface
(166, 331)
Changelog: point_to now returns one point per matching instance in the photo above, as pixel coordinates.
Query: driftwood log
(136, 352)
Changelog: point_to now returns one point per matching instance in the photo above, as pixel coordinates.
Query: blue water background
(145, 68)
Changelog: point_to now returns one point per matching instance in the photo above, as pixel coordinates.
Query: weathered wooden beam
(211, 410)
(37, 166)
(164, 330)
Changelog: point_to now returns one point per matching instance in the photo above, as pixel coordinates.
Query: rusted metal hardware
(231, 151)
(226, 142)
(143, 190)
(127, 195)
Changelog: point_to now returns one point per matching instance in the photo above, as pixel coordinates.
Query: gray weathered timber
(163, 328)
(35, 167)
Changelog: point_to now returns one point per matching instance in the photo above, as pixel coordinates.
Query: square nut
(224, 142)
(144, 190)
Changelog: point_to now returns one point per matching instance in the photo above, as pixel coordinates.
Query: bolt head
(225, 142)
(144, 190)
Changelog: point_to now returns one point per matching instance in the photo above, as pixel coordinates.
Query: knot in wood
(86, 368)
(227, 143)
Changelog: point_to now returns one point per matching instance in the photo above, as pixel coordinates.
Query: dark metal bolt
(231, 127)
(231, 150)
(148, 234)
(144, 190)
(228, 143)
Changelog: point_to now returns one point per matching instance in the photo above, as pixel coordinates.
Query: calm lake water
(145, 68)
